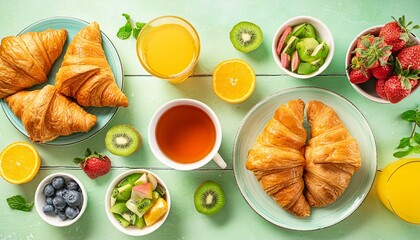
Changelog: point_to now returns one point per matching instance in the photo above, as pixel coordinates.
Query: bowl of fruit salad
(137, 202)
(303, 47)
(60, 199)
(383, 62)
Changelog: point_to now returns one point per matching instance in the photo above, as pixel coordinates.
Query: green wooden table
(213, 21)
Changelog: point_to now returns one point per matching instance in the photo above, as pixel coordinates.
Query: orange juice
(168, 47)
(398, 188)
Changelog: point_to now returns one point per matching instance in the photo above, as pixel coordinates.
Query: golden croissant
(277, 158)
(85, 73)
(46, 114)
(26, 60)
(332, 156)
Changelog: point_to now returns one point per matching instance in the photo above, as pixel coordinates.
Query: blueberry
(49, 200)
(72, 185)
(59, 203)
(72, 212)
(57, 182)
(62, 192)
(48, 209)
(74, 198)
(62, 215)
(49, 190)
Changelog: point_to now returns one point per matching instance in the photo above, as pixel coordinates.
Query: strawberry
(372, 51)
(380, 88)
(399, 85)
(410, 57)
(359, 76)
(396, 33)
(94, 165)
(382, 72)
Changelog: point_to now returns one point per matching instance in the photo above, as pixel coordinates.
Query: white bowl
(132, 230)
(322, 31)
(40, 200)
(367, 89)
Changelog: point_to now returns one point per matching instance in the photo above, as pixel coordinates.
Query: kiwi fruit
(123, 140)
(209, 198)
(246, 36)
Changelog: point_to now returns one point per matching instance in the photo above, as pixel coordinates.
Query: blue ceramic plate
(347, 203)
(103, 114)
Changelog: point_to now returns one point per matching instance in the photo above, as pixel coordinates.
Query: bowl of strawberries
(383, 62)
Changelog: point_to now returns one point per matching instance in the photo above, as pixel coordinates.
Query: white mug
(213, 154)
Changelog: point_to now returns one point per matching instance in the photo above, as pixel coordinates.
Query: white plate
(103, 114)
(347, 203)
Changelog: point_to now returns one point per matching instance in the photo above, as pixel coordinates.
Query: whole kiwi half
(246, 36)
(122, 140)
(209, 198)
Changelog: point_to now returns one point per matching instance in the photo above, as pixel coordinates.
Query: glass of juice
(398, 188)
(168, 47)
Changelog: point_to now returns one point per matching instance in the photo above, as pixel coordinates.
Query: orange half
(19, 163)
(234, 80)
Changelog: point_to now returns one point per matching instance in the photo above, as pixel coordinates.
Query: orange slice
(234, 80)
(19, 163)
(156, 212)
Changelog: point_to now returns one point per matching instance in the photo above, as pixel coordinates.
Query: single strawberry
(399, 85)
(380, 88)
(410, 57)
(358, 76)
(94, 165)
(382, 72)
(372, 51)
(396, 33)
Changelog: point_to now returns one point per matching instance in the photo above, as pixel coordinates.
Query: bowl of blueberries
(60, 199)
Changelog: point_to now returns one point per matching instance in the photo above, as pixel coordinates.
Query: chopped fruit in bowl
(383, 62)
(303, 47)
(137, 202)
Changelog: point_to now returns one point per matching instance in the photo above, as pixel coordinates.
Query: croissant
(277, 158)
(85, 73)
(26, 60)
(332, 156)
(46, 114)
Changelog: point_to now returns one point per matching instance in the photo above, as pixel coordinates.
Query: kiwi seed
(246, 36)
(122, 140)
(209, 198)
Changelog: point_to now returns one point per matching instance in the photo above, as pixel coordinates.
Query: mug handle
(219, 161)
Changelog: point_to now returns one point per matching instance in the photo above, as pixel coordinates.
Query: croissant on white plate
(332, 156)
(277, 158)
(26, 60)
(46, 114)
(85, 74)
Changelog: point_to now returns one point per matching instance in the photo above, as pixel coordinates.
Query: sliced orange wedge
(19, 163)
(234, 80)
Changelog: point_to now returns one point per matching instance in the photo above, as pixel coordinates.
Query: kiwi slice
(209, 198)
(122, 140)
(306, 68)
(246, 36)
(305, 47)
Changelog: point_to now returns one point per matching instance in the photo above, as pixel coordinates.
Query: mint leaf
(416, 138)
(401, 154)
(19, 203)
(127, 17)
(140, 25)
(124, 32)
(138, 28)
(409, 116)
(404, 142)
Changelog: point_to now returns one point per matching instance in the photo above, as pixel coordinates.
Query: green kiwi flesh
(246, 36)
(209, 198)
(122, 140)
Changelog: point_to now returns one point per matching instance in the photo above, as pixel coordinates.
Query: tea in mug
(185, 134)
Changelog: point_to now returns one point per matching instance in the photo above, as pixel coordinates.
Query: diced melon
(144, 190)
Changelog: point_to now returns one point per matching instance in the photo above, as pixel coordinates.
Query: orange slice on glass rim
(234, 80)
(19, 163)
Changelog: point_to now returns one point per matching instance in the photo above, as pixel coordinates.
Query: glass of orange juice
(168, 47)
(398, 188)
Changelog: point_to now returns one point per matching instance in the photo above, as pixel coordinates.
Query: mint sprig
(129, 28)
(409, 145)
(19, 203)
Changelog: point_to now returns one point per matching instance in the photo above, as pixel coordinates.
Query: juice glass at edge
(168, 47)
(398, 188)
